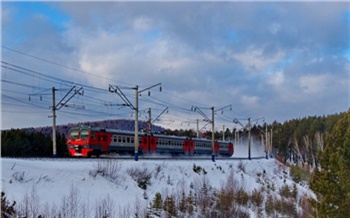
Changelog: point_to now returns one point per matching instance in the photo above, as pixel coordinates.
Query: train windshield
(84, 133)
(74, 134)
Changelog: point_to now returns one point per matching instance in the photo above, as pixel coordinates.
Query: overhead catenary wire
(94, 100)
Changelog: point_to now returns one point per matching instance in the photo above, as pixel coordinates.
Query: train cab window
(84, 133)
(93, 135)
(74, 134)
(105, 138)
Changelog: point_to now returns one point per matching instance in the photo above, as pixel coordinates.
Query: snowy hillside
(125, 188)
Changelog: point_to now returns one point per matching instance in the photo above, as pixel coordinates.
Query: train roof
(116, 131)
(99, 129)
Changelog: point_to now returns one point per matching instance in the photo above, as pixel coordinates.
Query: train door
(191, 147)
(188, 147)
(152, 144)
(230, 149)
(144, 144)
(216, 148)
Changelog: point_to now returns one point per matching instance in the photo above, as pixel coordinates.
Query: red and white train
(86, 141)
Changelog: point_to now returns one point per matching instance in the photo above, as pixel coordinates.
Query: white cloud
(312, 84)
(254, 60)
(142, 24)
(276, 79)
(249, 100)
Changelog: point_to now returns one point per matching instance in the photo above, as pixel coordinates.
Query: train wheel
(98, 153)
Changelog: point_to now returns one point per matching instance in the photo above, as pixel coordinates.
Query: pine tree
(189, 200)
(7, 209)
(169, 206)
(331, 184)
(183, 205)
(157, 203)
(269, 206)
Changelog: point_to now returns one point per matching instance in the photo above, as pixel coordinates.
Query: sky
(268, 61)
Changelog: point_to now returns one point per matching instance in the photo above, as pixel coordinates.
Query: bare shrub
(241, 166)
(124, 212)
(306, 206)
(85, 209)
(70, 204)
(110, 169)
(19, 176)
(141, 176)
(105, 208)
(29, 206)
(157, 170)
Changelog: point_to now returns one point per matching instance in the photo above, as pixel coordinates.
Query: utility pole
(118, 91)
(136, 134)
(56, 107)
(149, 120)
(197, 128)
(266, 144)
(212, 135)
(270, 146)
(235, 136)
(54, 122)
(249, 139)
(223, 133)
(207, 119)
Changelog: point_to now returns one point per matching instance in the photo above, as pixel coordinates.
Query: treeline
(296, 140)
(21, 143)
(299, 140)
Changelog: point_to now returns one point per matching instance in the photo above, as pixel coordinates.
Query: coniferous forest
(297, 140)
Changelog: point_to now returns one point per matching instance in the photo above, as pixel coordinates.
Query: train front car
(78, 142)
(85, 141)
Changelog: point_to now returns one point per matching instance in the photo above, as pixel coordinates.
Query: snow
(54, 179)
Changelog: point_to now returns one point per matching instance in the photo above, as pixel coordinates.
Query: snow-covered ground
(51, 183)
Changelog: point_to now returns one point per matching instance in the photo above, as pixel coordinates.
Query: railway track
(180, 158)
(141, 158)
